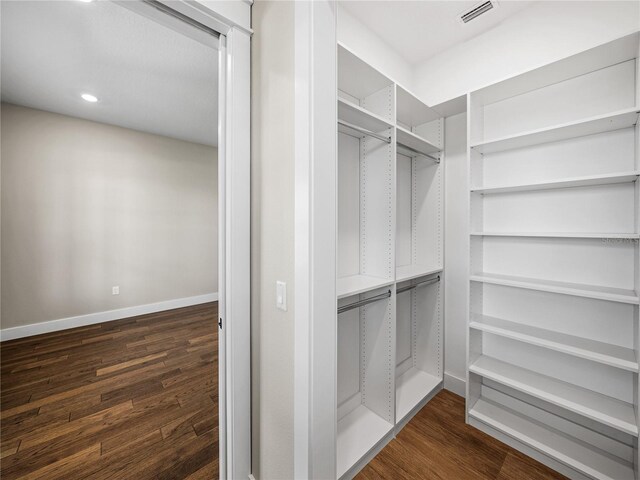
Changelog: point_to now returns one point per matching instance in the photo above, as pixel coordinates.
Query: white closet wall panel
(348, 358)
(563, 102)
(404, 216)
(602, 321)
(349, 205)
(588, 261)
(605, 153)
(597, 209)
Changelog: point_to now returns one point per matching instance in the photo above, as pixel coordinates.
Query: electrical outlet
(115, 290)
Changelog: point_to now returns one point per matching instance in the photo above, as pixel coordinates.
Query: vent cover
(476, 11)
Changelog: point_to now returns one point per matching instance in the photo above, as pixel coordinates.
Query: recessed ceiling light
(85, 1)
(89, 98)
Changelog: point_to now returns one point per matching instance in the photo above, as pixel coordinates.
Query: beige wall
(272, 247)
(86, 206)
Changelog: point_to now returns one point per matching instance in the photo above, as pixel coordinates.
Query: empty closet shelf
(605, 353)
(410, 140)
(358, 432)
(584, 181)
(356, 115)
(562, 448)
(412, 387)
(588, 126)
(409, 272)
(595, 406)
(355, 284)
(565, 288)
(621, 236)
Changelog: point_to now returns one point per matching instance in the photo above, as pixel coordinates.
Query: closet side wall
(272, 237)
(455, 254)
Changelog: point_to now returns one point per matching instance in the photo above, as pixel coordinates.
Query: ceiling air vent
(476, 11)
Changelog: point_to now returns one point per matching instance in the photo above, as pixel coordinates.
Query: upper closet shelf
(565, 288)
(587, 181)
(590, 126)
(356, 284)
(356, 115)
(622, 236)
(413, 142)
(596, 406)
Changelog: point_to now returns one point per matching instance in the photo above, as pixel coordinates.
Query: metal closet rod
(413, 150)
(365, 131)
(361, 303)
(421, 284)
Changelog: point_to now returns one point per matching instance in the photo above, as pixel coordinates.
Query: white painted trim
(100, 317)
(315, 357)
(454, 384)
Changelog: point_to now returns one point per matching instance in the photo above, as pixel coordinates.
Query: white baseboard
(99, 317)
(454, 384)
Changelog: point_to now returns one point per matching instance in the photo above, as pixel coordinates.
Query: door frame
(231, 19)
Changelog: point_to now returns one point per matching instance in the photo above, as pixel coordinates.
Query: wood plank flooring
(130, 399)
(437, 445)
(137, 399)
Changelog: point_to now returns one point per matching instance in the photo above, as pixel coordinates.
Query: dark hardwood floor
(137, 399)
(437, 445)
(130, 399)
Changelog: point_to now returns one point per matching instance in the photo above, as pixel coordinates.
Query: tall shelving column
(390, 250)
(553, 343)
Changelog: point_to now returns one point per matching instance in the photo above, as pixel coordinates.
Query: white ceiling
(147, 77)
(417, 30)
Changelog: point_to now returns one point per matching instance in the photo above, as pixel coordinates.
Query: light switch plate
(281, 295)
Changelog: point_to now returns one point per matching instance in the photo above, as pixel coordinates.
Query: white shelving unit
(390, 239)
(553, 339)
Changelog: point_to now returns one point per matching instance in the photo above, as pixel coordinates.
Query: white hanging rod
(421, 284)
(416, 152)
(366, 301)
(365, 131)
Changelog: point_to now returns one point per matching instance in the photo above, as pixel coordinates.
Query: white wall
(543, 33)
(456, 252)
(368, 46)
(86, 206)
(272, 237)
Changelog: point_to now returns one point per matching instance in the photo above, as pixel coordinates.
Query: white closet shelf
(605, 353)
(358, 433)
(565, 288)
(355, 284)
(624, 236)
(357, 115)
(409, 272)
(412, 387)
(589, 126)
(409, 139)
(587, 181)
(560, 447)
(595, 406)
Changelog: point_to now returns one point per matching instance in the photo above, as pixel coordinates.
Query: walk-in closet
(546, 265)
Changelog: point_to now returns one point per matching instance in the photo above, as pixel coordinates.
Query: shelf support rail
(361, 303)
(415, 152)
(364, 131)
(421, 284)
